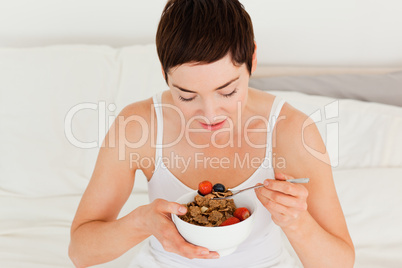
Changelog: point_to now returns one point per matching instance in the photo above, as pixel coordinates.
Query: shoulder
(141, 108)
(297, 140)
(134, 119)
(136, 115)
(291, 122)
(133, 127)
(296, 126)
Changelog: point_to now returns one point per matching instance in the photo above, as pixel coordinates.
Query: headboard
(353, 33)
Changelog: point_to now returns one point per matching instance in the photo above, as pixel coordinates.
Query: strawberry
(205, 187)
(241, 213)
(230, 221)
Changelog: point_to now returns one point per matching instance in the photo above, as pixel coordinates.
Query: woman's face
(210, 96)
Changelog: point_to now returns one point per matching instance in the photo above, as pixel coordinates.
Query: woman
(207, 52)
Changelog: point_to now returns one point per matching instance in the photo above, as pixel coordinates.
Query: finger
(283, 199)
(285, 187)
(260, 196)
(272, 206)
(200, 252)
(174, 242)
(171, 239)
(170, 207)
(282, 177)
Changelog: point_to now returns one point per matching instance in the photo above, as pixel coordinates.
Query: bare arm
(310, 216)
(97, 236)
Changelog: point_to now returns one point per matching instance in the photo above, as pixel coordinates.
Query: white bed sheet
(40, 237)
(35, 232)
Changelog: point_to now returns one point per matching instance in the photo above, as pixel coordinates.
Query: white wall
(288, 32)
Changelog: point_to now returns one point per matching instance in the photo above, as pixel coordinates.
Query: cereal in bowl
(206, 211)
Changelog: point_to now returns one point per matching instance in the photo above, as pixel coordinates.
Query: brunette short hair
(204, 31)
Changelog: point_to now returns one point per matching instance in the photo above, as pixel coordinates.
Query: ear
(254, 62)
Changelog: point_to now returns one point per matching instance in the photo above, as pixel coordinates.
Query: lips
(213, 126)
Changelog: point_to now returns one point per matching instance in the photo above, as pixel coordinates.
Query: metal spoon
(235, 192)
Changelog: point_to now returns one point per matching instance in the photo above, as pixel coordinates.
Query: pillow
(357, 134)
(382, 88)
(140, 75)
(38, 88)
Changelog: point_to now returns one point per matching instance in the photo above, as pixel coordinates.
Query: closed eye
(224, 95)
(184, 99)
(230, 94)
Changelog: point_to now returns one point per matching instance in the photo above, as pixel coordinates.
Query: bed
(57, 99)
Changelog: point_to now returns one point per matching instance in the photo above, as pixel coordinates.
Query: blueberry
(219, 188)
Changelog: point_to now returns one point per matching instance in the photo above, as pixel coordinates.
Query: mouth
(213, 126)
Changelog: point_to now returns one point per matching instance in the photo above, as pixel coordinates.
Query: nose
(210, 111)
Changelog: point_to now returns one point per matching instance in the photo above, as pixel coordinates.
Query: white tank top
(263, 248)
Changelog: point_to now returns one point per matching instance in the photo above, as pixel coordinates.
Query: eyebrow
(220, 87)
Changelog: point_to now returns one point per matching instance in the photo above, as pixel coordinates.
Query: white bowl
(223, 239)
